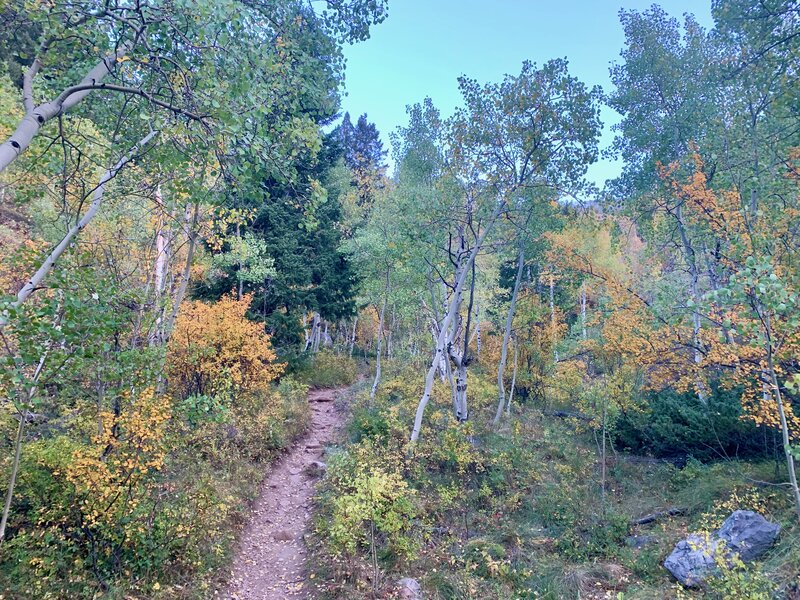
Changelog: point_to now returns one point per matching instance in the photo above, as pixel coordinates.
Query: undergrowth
(474, 513)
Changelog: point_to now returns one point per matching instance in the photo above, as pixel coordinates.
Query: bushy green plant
(328, 369)
(679, 424)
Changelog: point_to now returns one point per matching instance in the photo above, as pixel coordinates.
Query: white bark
(180, 293)
(31, 393)
(583, 311)
(316, 331)
(553, 316)
(442, 340)
(501, 369)
(379, 351)
(776, 390)
(94, 207)
(513, 377)
(37, 116)
(353, 337)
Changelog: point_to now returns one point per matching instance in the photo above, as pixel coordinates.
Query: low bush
(327, 369)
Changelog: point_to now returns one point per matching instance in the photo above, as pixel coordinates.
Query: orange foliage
(127, 449)
(216, 348)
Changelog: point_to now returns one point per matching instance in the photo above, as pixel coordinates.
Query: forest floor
(270, 559)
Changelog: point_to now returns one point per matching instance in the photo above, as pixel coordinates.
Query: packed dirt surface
(270, 561)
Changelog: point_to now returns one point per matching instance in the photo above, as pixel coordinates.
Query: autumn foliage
(215, 348)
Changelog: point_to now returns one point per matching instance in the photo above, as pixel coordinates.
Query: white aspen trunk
(379, 351)
(776, 389)
(66, 241)
(180, 293)
(583, 311)
(161, 248)
(306, 333)
(442, 364)
(316, 330)
(462, 411)
(353, 337)
(478, 339)
(159, 270)
(448, 319)
(326, 337)
(553, 316)
(501, 369)
(513, 377)
(390, 337)
(37, 116)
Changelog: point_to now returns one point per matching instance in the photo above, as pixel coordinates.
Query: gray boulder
(409, 589)
(692, 559)
(748, 534)
(745, 533)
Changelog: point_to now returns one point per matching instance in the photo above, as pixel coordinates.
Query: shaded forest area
(547, 385)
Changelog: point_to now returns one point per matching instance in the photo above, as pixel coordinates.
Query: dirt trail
(269, 562)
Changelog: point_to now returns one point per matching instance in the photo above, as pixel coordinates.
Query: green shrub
(327, 369)
(679, 425)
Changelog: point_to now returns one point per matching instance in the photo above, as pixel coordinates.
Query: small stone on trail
(316, 469)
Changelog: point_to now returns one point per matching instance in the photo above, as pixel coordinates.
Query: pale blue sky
(425, 45)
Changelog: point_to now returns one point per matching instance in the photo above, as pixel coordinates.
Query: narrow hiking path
(269, 563)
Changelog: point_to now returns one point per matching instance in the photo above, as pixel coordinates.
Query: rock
(745, 533)
(409, 589)
(315, 468)
(692, 559)
(748, 534)
(283, 535)
(639, 541)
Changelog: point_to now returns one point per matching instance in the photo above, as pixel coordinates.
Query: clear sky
(424, 45)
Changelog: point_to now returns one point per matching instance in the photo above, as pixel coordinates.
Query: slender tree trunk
(553, 316)
(180, 293)
(316, 332)
(66, 241)
(374, 389)
(353, 337)
(583, 311)
(603, 459)
(442, 338)
(36, 116)
(782, 414)
(501, 369)
(513, 377)
(23, 414)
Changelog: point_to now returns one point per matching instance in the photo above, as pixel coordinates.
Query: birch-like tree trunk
(553, 316)
(513, 377)
(353, 337)
(38, 115)
(442, 339)
(190, 227)
(379, 351)
(776, 390)
(583, 311)
(501, 369)
(97, 200)
(23, 415)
